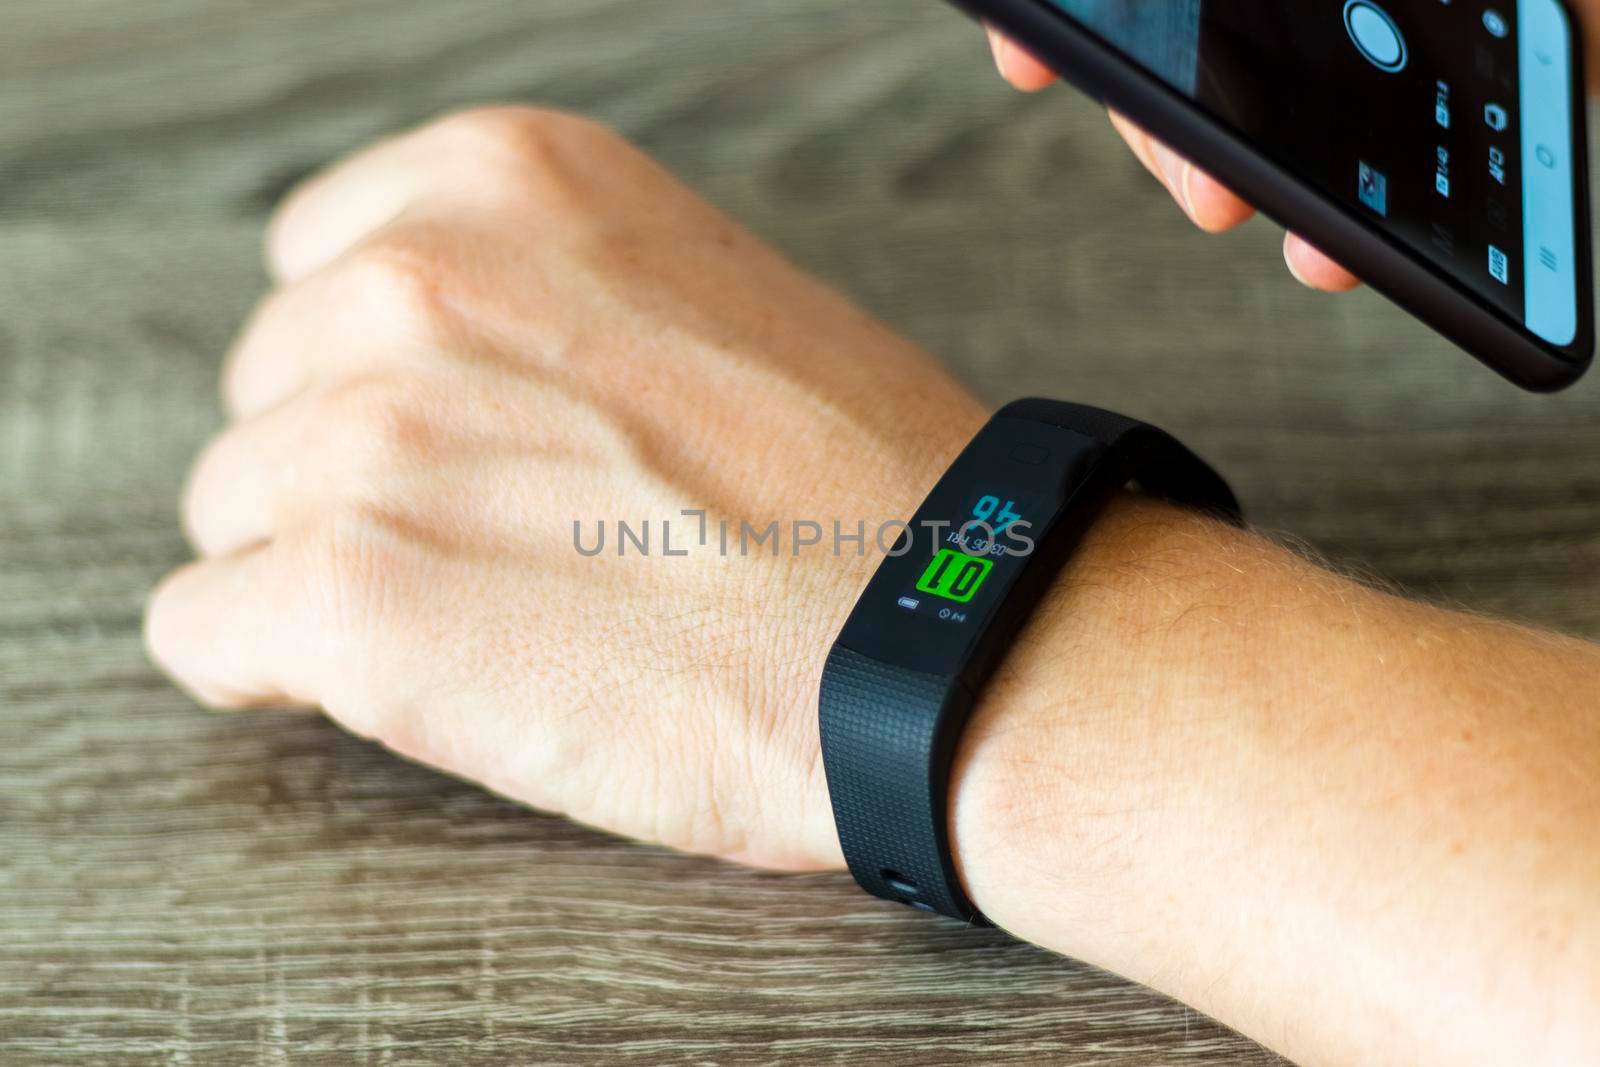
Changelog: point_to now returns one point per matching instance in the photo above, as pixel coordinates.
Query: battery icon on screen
(909, 603)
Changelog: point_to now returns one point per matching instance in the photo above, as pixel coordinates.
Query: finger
(360, 315)
(1212, 205)
(237, 492)
(330, 213)
(1139, 143)
(1162, 162)
(356, 442)
(486, 164)
(1208, 203)
(458, 162)
(228, 631)
(1312, 268)
(1016, 65)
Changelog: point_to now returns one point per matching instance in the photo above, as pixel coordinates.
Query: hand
(1206, 201)
(482, 332)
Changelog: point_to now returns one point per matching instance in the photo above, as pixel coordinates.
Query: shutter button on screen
(1377, 37)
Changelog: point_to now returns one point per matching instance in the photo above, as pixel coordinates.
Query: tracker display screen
(984, 539)
(974, 541)
(1446, 124)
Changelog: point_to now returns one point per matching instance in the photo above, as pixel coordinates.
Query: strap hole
(899, 883)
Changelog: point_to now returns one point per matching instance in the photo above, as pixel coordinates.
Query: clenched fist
(484, 333)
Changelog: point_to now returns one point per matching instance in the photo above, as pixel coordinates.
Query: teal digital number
(994, 514)
(955, 575)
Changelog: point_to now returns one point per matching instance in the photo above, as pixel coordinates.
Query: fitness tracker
(945, 604)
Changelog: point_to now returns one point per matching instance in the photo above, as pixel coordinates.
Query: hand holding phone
(1209, 204)
(1437, 151)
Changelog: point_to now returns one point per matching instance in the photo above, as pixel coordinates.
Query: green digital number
(955, 575)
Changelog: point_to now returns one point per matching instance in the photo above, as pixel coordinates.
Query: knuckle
(343, 576)
(337, 563)
(375, 423)
(523, 149)
(534, 134)
(398, 284)
(336, 571)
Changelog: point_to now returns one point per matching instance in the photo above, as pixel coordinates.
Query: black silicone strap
(888, 767)
(889, 730)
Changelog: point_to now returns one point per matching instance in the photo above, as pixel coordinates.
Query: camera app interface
(1446, 123)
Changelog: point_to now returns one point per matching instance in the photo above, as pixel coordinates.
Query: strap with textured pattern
(939, 614)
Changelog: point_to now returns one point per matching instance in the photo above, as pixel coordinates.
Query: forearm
(1356, 828)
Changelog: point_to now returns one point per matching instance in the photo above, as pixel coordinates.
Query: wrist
(1069, 756)
(889, 479)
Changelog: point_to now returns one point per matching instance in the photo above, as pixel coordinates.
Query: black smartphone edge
(1391, 269)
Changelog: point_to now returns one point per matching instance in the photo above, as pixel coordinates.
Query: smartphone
(1436, 148)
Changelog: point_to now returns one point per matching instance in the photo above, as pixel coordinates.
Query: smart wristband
(943, 607)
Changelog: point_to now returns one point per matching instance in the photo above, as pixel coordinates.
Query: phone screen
(1446, 123)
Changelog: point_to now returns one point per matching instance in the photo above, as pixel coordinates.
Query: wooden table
(185, 889)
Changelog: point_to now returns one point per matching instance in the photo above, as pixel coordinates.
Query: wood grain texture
(177, 888)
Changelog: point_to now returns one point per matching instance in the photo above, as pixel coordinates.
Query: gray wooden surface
(177, 888)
